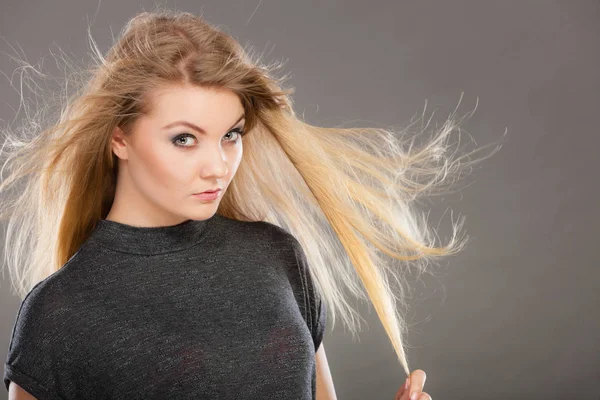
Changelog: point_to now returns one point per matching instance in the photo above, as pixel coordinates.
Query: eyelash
(239, 131)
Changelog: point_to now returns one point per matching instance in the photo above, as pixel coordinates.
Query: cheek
(161, 169)
(234, 160)
(237, 157)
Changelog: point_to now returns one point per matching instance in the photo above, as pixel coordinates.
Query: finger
(424, 396)
(403, 389)
(417, 381)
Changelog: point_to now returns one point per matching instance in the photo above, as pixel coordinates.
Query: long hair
(348, 195)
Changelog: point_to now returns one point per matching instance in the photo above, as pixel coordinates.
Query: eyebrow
(197, 128)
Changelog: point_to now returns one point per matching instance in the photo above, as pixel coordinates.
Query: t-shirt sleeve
(33, 360)
(316, 311)
(320, 324)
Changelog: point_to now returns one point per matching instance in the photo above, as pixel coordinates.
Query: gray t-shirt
(210, 309)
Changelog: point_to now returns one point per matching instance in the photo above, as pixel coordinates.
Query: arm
(16, 392)
(325, 388)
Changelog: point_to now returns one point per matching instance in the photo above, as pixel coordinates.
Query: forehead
(193, 102)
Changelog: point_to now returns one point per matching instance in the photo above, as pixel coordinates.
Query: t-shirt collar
(150, 240)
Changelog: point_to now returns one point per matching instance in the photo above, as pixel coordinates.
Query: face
(189, 142)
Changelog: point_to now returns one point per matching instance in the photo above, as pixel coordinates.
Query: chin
(206, 213)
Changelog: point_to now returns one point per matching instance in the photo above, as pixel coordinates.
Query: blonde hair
(346, 194)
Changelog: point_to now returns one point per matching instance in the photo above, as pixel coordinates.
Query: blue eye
(180, 140)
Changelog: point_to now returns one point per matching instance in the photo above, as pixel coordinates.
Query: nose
(214, 164)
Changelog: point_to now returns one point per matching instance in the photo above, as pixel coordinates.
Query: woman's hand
(413, 387)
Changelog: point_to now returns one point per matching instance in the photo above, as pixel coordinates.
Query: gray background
(515, 315)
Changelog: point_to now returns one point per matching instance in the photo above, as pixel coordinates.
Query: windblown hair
(347, 194)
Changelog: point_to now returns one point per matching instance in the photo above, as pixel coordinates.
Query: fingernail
(413, 396)
(406, 383)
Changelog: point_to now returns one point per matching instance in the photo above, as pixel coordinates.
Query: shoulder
(42, 303)
(288, 246)
(261, 231)
(40, 336)
(48, 300)
(38, 330)
(275, 232)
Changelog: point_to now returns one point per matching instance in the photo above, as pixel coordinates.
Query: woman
(167, 265)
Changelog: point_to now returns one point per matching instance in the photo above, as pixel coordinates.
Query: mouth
(212, 191)
(208, 192)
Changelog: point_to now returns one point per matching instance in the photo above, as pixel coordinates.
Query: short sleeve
(320, 324)
(316, 310)
(33, 360)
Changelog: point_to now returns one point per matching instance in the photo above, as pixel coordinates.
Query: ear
(119, 143)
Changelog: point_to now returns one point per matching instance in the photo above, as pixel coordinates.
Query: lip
(208, 195)
(210, 191)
